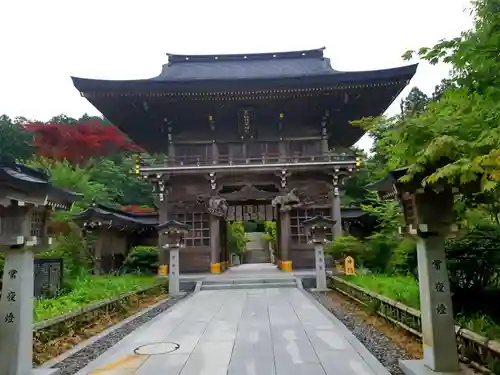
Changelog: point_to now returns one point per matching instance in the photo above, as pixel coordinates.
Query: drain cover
(157, 348)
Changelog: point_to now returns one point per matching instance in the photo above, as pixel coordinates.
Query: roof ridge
(308, 53)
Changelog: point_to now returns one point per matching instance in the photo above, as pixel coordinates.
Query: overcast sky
(43, 43)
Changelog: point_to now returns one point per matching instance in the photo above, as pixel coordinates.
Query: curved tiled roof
(246, 66)
(35, 180)
(117, 217)
(297, 68)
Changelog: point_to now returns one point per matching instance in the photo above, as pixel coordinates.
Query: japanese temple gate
(246, 137)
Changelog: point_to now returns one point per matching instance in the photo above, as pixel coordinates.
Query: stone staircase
(257, 249)
(249, 283)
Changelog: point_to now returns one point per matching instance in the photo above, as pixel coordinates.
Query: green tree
(415, 103)
(62, 119)
(15, 142)
(460, 132)
(123, 187)
(77, 179)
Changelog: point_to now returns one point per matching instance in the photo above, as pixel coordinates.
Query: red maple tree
(77, 143)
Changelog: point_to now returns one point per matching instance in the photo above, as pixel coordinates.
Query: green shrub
(347, 246)
(380, 249)
(270, 229)
(73, 249)
(474, 259)
(404, 258)
(141, 259)
(236, 238)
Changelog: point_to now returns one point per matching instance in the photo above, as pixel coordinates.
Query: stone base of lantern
(417, 367)
(45, 371)
(320, 290)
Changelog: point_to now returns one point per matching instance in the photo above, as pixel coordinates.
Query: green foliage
(474, 260)
(270, 235)
(403, 260)
(459, 132)
(348, 246)
(122, 186)
(15, 142)
(479, 323)
(387, 213)
(398, 288)
(77, 179)
(380, 249)
(236, 238)
(142, 259)
(451, 136)
(88, 290)
(107, 181)
(71, 247)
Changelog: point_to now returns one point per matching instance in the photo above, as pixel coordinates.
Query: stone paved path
(241, 332)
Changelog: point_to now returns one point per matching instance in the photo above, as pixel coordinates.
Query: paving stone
(241, 332)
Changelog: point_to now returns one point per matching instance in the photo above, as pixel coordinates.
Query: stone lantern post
(26, 199)
(319, 227)
(174, 233)
(428, 214)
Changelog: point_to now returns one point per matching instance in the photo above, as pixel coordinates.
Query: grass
(88, 290)
(404, 289)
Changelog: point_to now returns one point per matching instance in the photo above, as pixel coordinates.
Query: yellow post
(286, 266)
(163, 270)
(215, 268)
(349, 266)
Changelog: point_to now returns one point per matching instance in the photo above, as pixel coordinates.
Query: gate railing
(228, 160)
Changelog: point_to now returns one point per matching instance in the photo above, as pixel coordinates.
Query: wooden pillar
(171, 146)
(98, 245)
(163, 254)
(214, 245)
(282, 151)
(215, 153)
(324, 135)
(276, 214)
(286, 263)
(222, 255)
(336, 208)
(215, 148)
(223, 237)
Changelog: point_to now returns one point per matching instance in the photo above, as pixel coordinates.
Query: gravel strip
(382, 347)
(82, 358)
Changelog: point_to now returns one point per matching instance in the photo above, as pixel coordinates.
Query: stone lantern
(319, 227)
(174, 233)
(428, 214)
(26, 200)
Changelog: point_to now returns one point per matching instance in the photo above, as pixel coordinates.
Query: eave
(33, 182)
(117, 219)
(232, 87)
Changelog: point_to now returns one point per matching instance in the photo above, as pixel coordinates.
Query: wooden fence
(475, 350)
